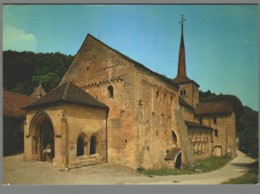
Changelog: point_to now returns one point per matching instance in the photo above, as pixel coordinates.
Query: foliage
(24, 71)
(248, 135)
(212, 163)
(251, 177)
(246, 121)
(206, 165)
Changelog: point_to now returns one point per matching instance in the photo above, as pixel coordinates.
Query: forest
(24, 71)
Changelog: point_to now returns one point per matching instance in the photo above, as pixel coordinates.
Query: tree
(23, 71)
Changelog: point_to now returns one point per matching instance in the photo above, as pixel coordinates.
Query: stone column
(64, 142)
(27, 142)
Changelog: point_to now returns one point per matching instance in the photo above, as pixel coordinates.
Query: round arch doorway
(43, 139)
(178, 162)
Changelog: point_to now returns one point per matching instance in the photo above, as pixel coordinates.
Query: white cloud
(16, 39)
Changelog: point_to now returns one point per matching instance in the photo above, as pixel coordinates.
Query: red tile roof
(207, 108)
(13, 102)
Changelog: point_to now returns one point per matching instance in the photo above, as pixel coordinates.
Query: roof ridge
(129, 59)
(64, 95)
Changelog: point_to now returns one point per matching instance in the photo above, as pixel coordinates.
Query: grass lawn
(250, 177)
(200, 166)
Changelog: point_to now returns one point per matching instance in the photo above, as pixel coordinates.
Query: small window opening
(80, 145)
(174, 138)
(215, 120)
(201, 121)
(110, 90)
(216, 132)
(157, 94)
(93, 145)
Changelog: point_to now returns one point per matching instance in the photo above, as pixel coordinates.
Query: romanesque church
(109, 108)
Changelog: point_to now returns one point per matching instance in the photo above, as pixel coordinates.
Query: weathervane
(182, 21)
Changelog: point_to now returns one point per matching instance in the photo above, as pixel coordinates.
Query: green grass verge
(200, 166)
(251, 177)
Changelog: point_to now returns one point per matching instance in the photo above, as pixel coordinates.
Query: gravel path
(17, 171)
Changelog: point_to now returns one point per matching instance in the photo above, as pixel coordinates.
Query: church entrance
(178, 162)
(47, 141)
(43, 139)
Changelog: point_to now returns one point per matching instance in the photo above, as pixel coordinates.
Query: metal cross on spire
(182, 21)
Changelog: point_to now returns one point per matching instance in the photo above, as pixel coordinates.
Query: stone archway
(178, 161)
(43, 143)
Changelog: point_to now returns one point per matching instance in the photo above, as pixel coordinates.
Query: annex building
(110, 108)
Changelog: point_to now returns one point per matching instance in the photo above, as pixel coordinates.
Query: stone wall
(97, 68)
(187, 113)
(191, 94)
(157, 103)
(68, 122)
(224, 132)
(88, 122)
(201, 140)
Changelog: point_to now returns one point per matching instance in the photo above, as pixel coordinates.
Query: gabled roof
(69, 93)
(85, 47)
(13, 102)
(196, 125)
(38, 92)
(208, 108)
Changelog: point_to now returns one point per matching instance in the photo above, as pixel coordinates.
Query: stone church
(109, 108)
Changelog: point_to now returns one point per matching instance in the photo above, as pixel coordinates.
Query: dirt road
(17, 171)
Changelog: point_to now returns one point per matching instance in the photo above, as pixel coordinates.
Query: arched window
(110, 90)
(181, 92)
(81, 145)
(93, 144)
(184, 92)
(174, 138)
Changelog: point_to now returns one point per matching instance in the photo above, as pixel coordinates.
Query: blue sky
(221, 41)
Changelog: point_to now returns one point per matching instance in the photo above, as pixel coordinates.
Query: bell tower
(189, 89)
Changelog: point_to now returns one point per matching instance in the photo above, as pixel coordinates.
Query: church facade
(110, 108)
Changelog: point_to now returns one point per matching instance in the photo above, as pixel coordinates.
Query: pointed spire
(181, 75)
(182, 62)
